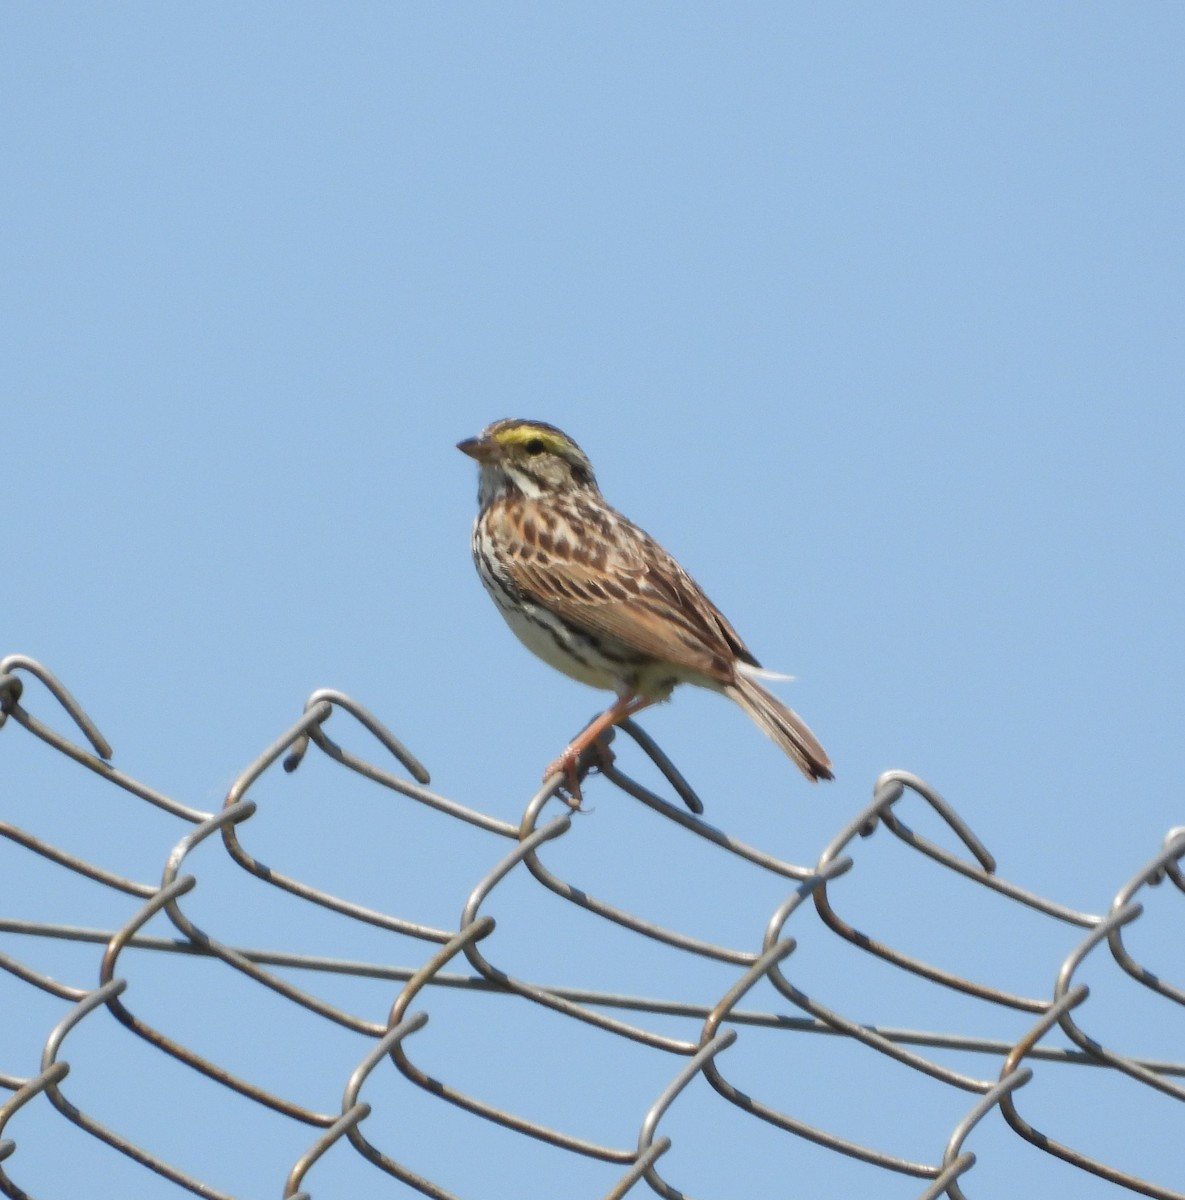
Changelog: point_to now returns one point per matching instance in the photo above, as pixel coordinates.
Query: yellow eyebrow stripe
(519, 435)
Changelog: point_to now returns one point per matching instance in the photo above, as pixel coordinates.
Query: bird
(596, 597)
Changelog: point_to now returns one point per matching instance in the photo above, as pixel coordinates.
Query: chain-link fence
(690, 1036)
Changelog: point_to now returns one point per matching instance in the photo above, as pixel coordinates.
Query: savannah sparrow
(597, 598)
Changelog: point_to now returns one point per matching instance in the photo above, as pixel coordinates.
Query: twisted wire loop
(365, 1131)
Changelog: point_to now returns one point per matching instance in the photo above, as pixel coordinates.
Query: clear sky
(874, 314)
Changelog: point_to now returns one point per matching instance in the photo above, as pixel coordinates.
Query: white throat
(496, 480)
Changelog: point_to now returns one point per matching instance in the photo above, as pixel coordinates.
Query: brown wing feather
(622, 584)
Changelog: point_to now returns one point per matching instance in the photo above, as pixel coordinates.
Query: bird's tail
(782, 724)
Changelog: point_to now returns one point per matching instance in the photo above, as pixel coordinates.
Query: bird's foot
(577, 760)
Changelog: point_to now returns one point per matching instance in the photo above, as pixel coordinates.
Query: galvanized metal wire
(454, 958)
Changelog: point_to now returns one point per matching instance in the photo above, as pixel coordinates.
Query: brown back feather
(598, 570)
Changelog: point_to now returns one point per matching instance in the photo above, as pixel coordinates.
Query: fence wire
(454, 958)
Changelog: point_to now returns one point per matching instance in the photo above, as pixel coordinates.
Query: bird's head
(531, 458)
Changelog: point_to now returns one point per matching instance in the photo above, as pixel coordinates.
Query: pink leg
(622, 707)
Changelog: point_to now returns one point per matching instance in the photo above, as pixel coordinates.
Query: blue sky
(871, 313)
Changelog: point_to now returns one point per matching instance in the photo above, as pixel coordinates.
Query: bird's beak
(483, 449)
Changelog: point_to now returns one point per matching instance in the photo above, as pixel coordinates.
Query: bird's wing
(601, 572)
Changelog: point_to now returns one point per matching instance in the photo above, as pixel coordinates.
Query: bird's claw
(575, 763)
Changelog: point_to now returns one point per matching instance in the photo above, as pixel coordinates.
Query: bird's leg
(567, 763)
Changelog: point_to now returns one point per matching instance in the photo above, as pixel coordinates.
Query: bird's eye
(534, 446)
